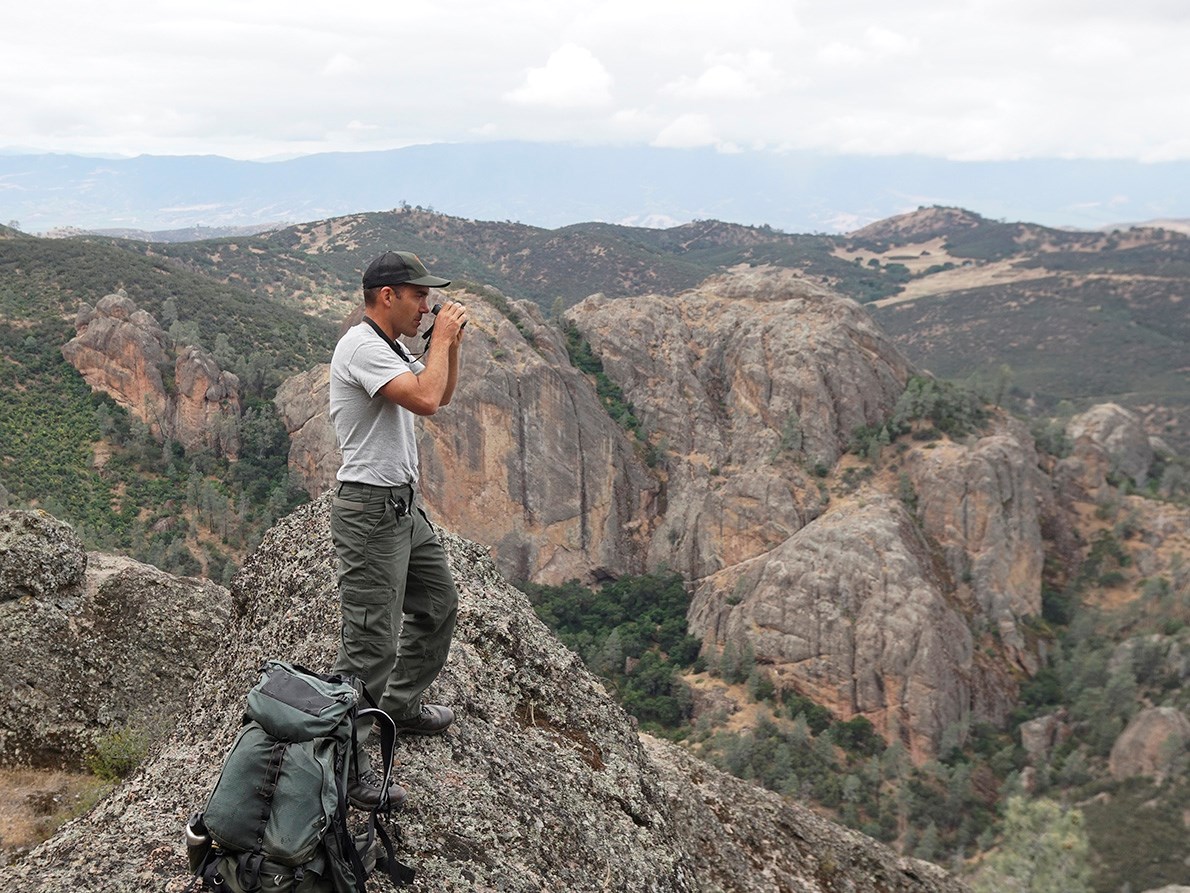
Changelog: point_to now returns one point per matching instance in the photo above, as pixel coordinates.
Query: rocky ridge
(180, 394)
(91, 643)
(750, 387)
(542, 784)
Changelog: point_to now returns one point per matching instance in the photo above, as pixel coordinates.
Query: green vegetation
(187, 513)
(800, 749)
(609, 393)
(947, 408)
(50, 278)
(85, 460)
(1137, 834)
(1044, 850)
(117, 753)
(632, 632)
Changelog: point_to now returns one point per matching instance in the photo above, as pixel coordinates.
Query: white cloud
(686, 132)
(962, 79)
(342, 65)
(729, 77)
(571, 78)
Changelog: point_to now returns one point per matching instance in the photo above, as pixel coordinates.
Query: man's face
(409, 305)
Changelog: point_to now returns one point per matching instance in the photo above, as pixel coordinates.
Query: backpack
(277, 818)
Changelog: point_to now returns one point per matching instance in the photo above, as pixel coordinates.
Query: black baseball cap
(400, 268)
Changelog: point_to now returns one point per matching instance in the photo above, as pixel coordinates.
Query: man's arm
(427, 391)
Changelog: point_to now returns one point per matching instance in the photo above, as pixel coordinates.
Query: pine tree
(1044, 850)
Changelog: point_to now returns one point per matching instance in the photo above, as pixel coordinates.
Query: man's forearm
(452, 373)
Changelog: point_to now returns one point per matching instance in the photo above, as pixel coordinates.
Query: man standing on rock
(396, 593)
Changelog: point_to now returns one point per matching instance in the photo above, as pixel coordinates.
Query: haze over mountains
(556, 185)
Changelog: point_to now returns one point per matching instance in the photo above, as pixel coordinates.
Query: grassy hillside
(84, 459)
(315, 261)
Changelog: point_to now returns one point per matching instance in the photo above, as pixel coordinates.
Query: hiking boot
(363, 791)
(432, 719)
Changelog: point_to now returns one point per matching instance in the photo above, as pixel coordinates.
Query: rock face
(855, 611)
(744, 382)
(981, 502)
(524, 458)
(303, 402)
(1154, 743)
(123, 352)
(541, 784)
(1109, 439)
(91, 643)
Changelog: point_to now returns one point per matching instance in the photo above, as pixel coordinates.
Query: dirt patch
(37, 801)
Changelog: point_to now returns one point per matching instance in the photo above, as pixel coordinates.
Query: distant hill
(555, 185)
(1032, 316)
(1048, 314)
(1039, 315)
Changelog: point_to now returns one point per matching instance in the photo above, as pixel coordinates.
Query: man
(396, 593)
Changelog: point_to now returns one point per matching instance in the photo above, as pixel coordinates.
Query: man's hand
(449, 322)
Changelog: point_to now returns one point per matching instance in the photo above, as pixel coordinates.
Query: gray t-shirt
(376, 436)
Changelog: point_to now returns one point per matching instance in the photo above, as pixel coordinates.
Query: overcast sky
(961, 79)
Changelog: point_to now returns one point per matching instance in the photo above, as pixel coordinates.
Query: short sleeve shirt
(377, 437)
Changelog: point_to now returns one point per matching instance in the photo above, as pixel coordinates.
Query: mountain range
(919, 582)
(554, 185)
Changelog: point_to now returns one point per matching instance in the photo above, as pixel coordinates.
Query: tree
(1044, 850)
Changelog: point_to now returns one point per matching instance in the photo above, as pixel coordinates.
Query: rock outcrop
(855, 611)
(303, 402)
(1108, 439)
(981, 501)
(541, 784)
(91, 643)
(185, 396)
(1153, 744)
(743, 383)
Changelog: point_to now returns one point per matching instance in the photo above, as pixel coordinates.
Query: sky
(260, 79)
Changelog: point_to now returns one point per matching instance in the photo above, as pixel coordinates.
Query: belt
(400, 502)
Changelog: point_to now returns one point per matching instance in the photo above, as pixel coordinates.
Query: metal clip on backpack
(277, 819)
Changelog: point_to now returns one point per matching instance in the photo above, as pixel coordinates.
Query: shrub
(117, 753)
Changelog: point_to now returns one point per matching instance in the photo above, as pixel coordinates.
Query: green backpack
(277, 819)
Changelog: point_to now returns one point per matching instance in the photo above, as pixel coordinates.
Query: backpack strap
(248, 868)
(398, 872)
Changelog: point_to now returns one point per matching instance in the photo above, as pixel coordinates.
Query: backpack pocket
(274, 797)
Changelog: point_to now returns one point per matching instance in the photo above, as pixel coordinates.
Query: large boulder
(1109, 439)
(40, 556)
(1153, 744)
(541, 784)
(88, 654)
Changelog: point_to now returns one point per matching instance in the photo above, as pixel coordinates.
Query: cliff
(542, 783)
(180, 394)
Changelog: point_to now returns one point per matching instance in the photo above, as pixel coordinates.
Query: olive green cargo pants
(398, 600)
